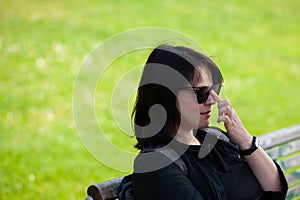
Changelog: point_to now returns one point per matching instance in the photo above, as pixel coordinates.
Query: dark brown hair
(154, 88)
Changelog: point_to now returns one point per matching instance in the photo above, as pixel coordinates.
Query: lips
(205, 113)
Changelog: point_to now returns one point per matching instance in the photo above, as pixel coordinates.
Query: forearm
(264, 170)
(260, 163)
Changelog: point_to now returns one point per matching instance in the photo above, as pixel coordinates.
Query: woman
(178, 88)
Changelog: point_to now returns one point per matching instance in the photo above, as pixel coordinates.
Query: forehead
(202, 77)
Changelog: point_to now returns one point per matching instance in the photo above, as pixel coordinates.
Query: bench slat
(105, 190)
(283, 150)
(293, 176)
(281, 136)
(290, 162)
(293, 192)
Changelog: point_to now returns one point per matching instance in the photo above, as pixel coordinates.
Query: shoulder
(154, 159)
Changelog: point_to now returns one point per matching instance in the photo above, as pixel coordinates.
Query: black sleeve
(167, 183)
(277, 195)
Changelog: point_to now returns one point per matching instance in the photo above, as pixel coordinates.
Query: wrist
(252, 148)
(246, 143)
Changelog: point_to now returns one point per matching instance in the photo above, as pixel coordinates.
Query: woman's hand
(260, 163)
(234, 126)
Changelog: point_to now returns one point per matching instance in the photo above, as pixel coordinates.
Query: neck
(186, 137)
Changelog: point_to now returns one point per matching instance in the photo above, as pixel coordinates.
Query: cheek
(188, 108)
(186, 98)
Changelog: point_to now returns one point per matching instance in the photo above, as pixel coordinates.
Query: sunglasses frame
(202, 93)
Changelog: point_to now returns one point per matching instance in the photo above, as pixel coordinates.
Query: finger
(225, 110)
(224, 103)
(215, 96)
(223, 118)
(222, 111)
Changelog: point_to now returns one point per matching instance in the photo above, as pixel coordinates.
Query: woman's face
(193, 114)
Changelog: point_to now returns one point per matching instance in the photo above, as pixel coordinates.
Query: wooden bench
(282, 145)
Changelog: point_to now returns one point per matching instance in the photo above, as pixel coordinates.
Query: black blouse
(221, 174)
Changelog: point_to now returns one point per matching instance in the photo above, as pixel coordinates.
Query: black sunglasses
(203, 93)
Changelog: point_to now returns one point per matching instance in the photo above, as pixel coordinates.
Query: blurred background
(44, 43)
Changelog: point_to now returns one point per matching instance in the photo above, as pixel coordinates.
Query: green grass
(42, 47)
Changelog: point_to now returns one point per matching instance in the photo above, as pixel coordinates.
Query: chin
(203, 124)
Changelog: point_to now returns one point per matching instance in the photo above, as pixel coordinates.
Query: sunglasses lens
(202, 94)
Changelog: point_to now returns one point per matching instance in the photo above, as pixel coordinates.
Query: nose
(210, 100)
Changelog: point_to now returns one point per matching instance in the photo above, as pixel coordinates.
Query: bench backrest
(282, 145)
